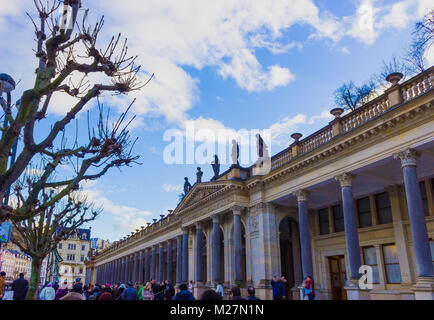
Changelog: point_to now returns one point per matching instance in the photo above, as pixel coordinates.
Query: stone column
(238, 245)
(178, 259)
(121, 270)
(147, 267)
(169, 261)
(424, 288)
(350, 223)
(127, 269)
(216, 249)
(153, 262)
(185, 256)
(161, 263)
(136, 267)
(296, 255)
(141, 278)
(199, 248)
(306, 251)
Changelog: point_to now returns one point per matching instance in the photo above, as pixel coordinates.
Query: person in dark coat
(251, 294)
(121, 290)
(155, 288)
(130, 293)
(236, 294)
(170, 291)
(184, 293)
(211, 295)
(278, 289)
(20, 286)
(62, 291)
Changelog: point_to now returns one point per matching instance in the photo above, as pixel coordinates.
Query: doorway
(338, 277)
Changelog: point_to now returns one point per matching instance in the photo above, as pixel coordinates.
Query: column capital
(345, 179)
(185, 230)
(215, 218)
(198, 225)
(237, 210)
(408, 157)
(169, 242)
(301, 195)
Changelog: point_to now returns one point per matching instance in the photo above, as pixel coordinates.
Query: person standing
(19, 287)
(278, 289)
(63, 290)
(285, 286)
(130, 293)
(147, 292)
(308, 289)
(48, 293)
(75, 294)
(170, 291)
(220, 291)
(2, 284)
(236, 294)
(190, 286)
(251, 294)
(184, 293)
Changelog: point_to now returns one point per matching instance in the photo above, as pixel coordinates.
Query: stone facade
(357, 192)
(74, 251)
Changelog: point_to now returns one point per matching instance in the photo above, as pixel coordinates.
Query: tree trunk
(34, 279)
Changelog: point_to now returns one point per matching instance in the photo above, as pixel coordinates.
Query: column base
(296, 292)
(355, 293)
(424, 288)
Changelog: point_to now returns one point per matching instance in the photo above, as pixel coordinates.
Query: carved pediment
(200, 192)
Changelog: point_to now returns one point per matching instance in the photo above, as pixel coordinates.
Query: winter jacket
(169, 293)
(2, 287)
(129, 294)
(20, 287)
(61, 293)
(106, 296)
(278, 290)
(47, 293)
(237, 298)
(184, 295)
(252, 298)
(73, 296)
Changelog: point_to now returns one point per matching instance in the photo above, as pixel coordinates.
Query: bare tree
(423, 39)
(350, 97)
(40, 234)
(64, 56)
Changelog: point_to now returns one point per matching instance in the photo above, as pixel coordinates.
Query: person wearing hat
(130, 293)
(63, 290)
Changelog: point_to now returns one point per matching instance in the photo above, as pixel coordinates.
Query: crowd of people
(152, 290)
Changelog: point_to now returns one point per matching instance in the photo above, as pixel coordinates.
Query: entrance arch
(290, 259)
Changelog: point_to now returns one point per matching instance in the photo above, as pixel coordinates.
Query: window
(83, 247)
(424, 198)
(71, 246)
(60, 246)
(82, 258)
(391, 263)
(81, 270)
(324, 221)
(338, 218)
(364, 209)
(370, 259)
(384, 209)
(70, 257)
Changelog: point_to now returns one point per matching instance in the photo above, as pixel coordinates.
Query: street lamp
(69, 16)
(7, 85)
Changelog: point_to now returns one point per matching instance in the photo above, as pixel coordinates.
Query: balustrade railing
(410, 89)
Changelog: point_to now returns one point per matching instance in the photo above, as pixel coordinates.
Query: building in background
(72, 253)
(13, 262)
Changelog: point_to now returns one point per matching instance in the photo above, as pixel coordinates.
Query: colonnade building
(357, 192)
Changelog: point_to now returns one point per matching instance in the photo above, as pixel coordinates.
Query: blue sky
(238, 64)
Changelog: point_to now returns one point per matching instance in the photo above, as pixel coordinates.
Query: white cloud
(172, 188)
(127, 218)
